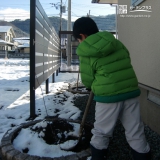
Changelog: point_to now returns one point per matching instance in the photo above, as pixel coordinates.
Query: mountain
(105, 22)
(17, 30)
(22, 25)
(22, 28)
(55, 21)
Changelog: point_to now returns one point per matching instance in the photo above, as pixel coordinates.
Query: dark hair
(84, 25)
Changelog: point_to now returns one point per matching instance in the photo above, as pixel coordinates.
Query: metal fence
(8, 54)
(18, 55)
(44, 50)
(3, 53)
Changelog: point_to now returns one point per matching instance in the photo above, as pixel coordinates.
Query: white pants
(128, 112)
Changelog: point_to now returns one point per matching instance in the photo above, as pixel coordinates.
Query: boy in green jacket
(106, 69)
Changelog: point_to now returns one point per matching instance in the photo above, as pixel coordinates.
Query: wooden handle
(77, 80)
(91, 95)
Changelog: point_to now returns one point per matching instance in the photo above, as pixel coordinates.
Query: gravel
(118, 147)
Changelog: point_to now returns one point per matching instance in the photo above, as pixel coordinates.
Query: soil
(57, 127)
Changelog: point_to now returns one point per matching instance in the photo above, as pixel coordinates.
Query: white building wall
(141, 36)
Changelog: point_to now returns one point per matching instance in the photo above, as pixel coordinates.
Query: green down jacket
(106, 68)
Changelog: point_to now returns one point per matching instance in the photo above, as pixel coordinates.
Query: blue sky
(20, 9)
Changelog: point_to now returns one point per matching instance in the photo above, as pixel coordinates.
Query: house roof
(22, 40)
(25, 45)
(5, 28)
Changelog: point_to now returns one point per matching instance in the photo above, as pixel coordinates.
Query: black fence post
(32, 58)
(57, 72)
(53, 77)
(47, 86)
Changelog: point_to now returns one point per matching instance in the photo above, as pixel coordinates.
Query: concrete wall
(141, 36)
(150, 112)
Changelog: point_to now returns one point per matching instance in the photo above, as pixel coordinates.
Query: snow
(71, 143)
(68, 144)
(15, 107)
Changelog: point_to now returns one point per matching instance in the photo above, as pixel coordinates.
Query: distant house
(6, 39)
(22, 49)
(23, 44)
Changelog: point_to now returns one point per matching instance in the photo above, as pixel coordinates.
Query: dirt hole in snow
(58, 131)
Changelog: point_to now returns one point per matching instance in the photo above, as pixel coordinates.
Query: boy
(106, 69)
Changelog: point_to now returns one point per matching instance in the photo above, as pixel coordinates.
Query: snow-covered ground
(15, 105)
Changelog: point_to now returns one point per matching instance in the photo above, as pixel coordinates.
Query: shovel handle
(78, 78)
(91, 95)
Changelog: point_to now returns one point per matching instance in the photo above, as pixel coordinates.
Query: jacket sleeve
(87, 72)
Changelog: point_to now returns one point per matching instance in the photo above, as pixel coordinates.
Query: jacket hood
(97, 45)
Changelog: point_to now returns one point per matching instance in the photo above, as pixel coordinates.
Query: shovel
(70, 145)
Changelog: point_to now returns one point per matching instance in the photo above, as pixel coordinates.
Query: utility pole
(58, 5)
(69, 57)
(60, 28)
(88, 14)
(69, 15)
